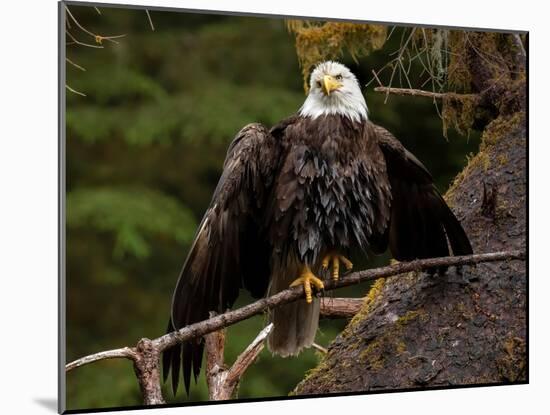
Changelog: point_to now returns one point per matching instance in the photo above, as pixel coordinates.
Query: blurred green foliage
(129, 215)
(145, 148)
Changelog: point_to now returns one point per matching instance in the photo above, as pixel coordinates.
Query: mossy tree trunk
(461, 328)
(467, 326)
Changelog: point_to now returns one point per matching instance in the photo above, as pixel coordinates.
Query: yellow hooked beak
(330, 84)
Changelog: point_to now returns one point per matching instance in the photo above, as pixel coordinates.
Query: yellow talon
(306, 279)
(336, 259)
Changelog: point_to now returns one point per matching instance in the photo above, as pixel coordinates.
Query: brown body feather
(332, 190)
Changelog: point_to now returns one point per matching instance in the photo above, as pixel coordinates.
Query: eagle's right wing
(421, 224)
(229, 250)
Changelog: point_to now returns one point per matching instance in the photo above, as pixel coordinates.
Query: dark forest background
(145, 147)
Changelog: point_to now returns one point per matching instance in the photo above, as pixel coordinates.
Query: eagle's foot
(336, 259)
(307, 278)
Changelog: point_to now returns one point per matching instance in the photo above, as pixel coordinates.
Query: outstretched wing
(229, 250)
(421, 224)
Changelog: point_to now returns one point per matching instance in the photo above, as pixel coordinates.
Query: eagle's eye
(338, 77)
(319, 84)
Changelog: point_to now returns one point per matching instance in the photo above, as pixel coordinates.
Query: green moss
(390, 342)
(368, 301)
(494, 132)
(481, 160)
(502, 159)
(512, 365)
(321, 373)
(463, 312)
(499, 128)
(410, 316)
(401, 348)
(346, 364)
(372, 355)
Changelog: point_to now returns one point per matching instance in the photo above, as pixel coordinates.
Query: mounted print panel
(264, 207)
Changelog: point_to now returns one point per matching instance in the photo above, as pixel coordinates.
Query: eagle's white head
(333, 89)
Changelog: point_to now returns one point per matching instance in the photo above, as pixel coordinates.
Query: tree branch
(247, 357)
(416, 92)
(124, 352)
(319, 348)
(150, 20)
(340, 307)
(292, 294)
(75, 91)
(214, 346)
(146, 354)
(519, 44)
(407, 91)
(146, 367)
(521, 55)
(421, 93)
(98, 38)
(222, 381)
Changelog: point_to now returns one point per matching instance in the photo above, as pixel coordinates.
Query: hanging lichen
(458, 112)
(459, 76)
(485, 79)
(317, 41)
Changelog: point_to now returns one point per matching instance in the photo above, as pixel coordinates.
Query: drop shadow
(48, 403)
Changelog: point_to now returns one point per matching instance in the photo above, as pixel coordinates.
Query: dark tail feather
(167, 355)
(186, 356)
(176, 363)
(171, 361)
(187, 351)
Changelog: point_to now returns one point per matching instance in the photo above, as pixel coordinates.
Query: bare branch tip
(74, 91)
(150, 20)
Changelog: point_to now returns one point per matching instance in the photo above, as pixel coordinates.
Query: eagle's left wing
(421, 224)
(229, 250)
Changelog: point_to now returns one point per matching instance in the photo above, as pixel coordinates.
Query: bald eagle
(296, 199)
